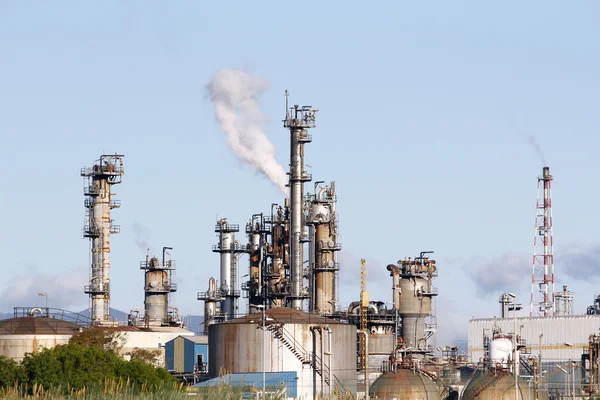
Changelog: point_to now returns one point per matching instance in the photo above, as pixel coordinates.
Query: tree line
(90, 360)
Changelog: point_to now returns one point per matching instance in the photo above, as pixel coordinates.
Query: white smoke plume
(538, 148)
(507, 272)
(235, 95)
(141, 236)
(581, 262)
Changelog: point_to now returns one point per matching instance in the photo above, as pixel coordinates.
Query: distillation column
(229, 250)
(212, 298)
(413, 293)
(157, 287)
(256, 231)
(280, 228)
(98, 227)
(326, 244)
(298, 121)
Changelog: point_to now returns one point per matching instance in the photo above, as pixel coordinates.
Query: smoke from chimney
(537, 147)
(235, 95)
(141, 236)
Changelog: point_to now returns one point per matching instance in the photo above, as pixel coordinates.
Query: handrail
(54, 313)
(347, 393)
(322, 368)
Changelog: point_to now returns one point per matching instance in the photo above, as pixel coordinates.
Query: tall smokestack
(235, 97)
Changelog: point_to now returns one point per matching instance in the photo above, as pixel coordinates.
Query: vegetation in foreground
(89, 366)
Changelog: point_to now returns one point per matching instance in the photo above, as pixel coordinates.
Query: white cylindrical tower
(212, 298)
(98, 227)
(228, 248)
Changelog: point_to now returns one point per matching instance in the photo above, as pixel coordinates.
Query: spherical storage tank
(404, 384)
(19, 336)
(292, 340)
(500, 385)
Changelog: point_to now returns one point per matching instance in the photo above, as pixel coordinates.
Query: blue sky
(425, 111)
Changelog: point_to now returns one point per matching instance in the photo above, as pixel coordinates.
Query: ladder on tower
(364, 307)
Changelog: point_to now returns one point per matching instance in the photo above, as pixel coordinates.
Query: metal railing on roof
(54, 313)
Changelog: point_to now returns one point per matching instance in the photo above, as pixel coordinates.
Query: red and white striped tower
(542, 276)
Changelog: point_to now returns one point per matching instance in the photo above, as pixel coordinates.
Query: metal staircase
(306, 357)
(526, 367)
(488, 381)
(290, 343)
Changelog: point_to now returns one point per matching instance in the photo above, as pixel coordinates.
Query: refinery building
(295, 338)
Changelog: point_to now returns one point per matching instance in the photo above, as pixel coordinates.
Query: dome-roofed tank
(19, 336)
(404, 384)
(499, 385)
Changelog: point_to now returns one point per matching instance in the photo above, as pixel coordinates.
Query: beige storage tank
(321, 350)
(500, 385)
(19, 336)
(404, 384)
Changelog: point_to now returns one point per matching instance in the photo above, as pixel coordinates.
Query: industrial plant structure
(293, 295)
(98, 226)
(158, 285)
(553, 342)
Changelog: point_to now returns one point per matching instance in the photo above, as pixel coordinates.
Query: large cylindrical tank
(500, 385)
(19, 336)
(287, 344)
(404, 384)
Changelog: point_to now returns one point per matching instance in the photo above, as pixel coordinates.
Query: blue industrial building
(252, 382)
(187, 354)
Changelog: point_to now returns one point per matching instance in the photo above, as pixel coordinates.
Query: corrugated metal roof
(564, 337)
(283, 315)
(196, 339)
(36, 326)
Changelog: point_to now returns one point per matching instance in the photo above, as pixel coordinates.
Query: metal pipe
(322, 363)
(366, 339)
(163, 254)
(314, 361)
(329, 354)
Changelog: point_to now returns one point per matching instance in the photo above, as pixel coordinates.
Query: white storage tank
(501, 349)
